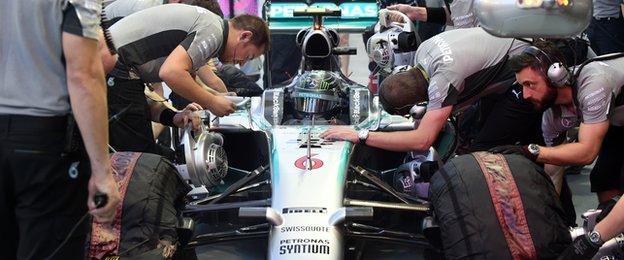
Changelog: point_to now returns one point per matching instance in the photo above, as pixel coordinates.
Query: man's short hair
(399, 92)
(255, 25)
(524, 60)
(212, 5)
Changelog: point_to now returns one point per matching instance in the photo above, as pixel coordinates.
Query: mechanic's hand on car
(341, 134)
(103, 182)
(514, 149)
(580, 249)
(220, 106)
(413, 12)
(182, 118)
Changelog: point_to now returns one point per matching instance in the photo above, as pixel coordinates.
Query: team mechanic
(452, 70)
(592, 98)
(114, 12)
(51, 69)
(119, 9)
(168, 43)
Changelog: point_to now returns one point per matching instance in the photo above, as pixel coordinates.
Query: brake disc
(206, 159)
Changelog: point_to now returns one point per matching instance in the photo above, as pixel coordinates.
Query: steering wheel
(384, 21)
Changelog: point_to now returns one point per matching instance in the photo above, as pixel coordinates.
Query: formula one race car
(265, 185)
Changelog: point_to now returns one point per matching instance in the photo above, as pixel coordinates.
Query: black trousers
(130, 127)
(608, 172)
(41, 199)
(508, 119)
(606, 35)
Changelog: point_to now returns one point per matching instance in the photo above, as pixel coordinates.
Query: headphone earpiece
(558, 75)
(555, 73)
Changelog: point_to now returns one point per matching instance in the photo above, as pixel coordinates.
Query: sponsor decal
(110, 82)
(434, 92)
(276, 107)
(463, 20)
(349, 10)
(302, 162)
(355, 115)
(294, 210)
(73, 170)
(304, 229)
(407, 182)
(445, 49)
(203, 47)
(284, 10)
(310, 95)
(304, 246)
(567, 122)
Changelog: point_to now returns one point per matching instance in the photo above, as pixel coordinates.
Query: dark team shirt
(146, 38)
(465, 65)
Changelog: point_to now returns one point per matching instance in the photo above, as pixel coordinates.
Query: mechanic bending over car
(119, 9)
(169, 43)
(452, 70)
(122, 8)
(595, 100)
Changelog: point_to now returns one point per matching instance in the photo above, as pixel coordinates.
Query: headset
(554, 71)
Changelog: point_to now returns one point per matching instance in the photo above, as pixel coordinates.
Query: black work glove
(580, 249)
(514, 149)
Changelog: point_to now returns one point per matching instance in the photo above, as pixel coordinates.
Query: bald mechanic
(168, 44)
(595, 100)
(453, 70)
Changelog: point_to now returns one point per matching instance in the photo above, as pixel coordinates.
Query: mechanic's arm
(582, 152)
(167, 115)
(175, 71)
(207, 75)
(87, 95)
(419, 139)
(439, 15)
(612, 224)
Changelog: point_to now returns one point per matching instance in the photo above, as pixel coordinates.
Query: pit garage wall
(252, 7)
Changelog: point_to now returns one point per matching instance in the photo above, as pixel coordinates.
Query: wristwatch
(594, 238)
(363, 135)
(533, 149)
